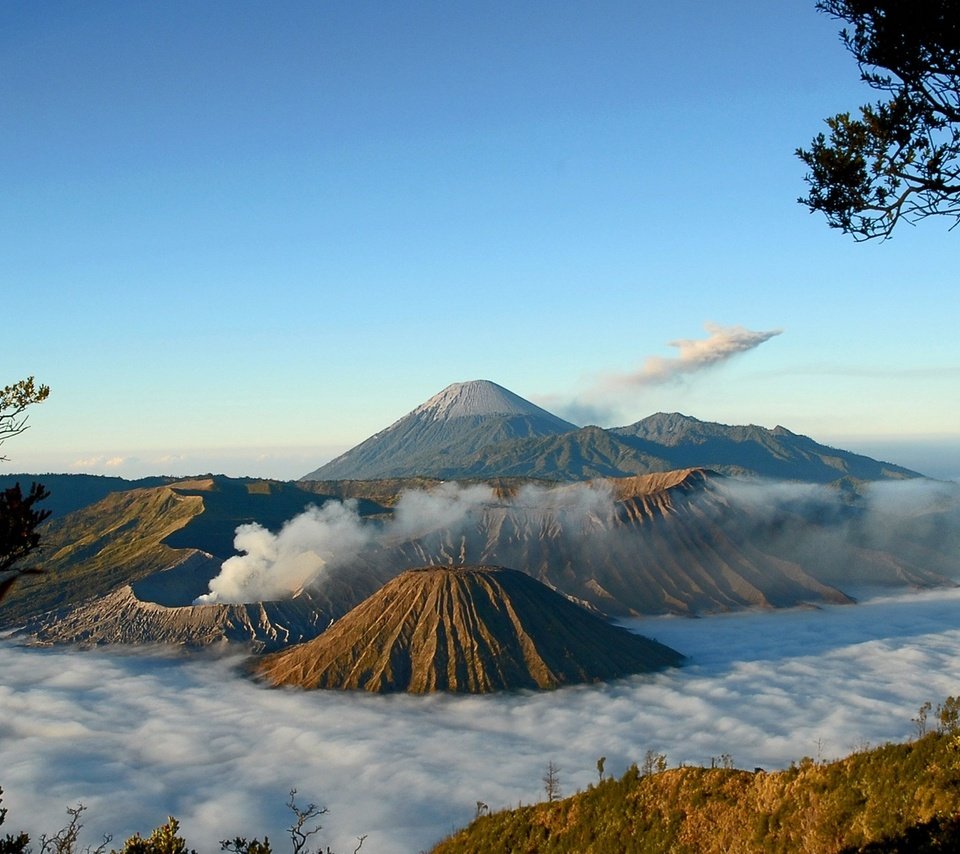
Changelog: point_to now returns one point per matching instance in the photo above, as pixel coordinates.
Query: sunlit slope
(129, 535)
(896, 798)
(464, 629)
(69, 492)
(94, 550)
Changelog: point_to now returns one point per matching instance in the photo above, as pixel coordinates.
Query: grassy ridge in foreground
(895, 798)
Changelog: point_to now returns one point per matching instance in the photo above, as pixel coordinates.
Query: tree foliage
(19, 520)
(18, 517)
(12, 843)
(14, 400)
(899, 158)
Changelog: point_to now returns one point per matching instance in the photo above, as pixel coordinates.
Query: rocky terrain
(651, 525)
(128, 568)
(464, 629)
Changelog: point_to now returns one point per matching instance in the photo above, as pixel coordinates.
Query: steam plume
(274, 565)
(722, 343)
(603, 401)
(838, 539)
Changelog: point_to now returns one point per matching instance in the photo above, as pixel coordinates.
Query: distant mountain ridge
(481, 430)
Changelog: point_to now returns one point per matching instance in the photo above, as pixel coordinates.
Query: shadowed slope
(464, 629)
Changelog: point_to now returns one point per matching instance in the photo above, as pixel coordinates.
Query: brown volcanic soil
(666, 543)
(469, 629)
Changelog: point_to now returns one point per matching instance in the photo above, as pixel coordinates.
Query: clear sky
(242, 237)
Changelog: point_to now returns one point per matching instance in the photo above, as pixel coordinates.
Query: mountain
(682, 542)
(481, 430)
(669, 542)
(457, 422)
(666, 442)
(69, 492)
(472, 629)
(156, 610)
(682, 441)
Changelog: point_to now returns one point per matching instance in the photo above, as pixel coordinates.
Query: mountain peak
(470, 629)
(477, 398)
(459, 421)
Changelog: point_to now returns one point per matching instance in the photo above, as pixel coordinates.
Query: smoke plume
(603, 400)
(274, 566)
(722, 343)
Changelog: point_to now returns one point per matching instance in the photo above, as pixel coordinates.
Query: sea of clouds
(140, 736)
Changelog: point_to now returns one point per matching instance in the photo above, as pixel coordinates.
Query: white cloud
(137, 737)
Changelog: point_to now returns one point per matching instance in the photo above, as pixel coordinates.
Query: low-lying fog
(137, 737)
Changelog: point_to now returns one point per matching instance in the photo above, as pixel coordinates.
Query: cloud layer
(139, 736)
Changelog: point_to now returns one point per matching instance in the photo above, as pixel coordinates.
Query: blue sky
(242, 237)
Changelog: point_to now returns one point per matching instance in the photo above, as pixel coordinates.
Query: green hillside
(896, 798)
(665, 442)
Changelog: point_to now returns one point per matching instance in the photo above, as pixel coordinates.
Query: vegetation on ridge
(895, 798)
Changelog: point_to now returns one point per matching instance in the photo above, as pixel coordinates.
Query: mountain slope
(662, 543)
(128, 616)
(464, 629)
(778, 453)
(665, 442)
(897, 798)
(481, 430)
(130, 535)
(460, 420)
(69, 492)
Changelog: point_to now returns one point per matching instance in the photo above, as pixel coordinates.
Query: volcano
(466, 629)
(460, 421)
(480, 430)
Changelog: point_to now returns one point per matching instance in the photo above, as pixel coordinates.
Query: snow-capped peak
(478, 397)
